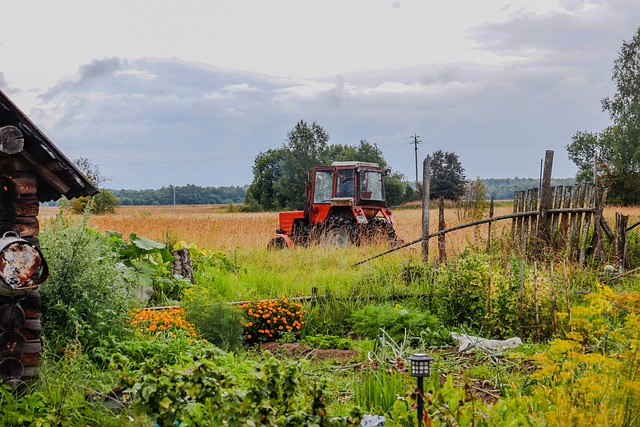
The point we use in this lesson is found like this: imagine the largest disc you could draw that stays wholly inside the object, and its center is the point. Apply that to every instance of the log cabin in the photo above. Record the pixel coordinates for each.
(32, 171)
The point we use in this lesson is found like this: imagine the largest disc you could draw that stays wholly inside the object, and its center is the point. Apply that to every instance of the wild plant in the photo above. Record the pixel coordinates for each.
(85, 295)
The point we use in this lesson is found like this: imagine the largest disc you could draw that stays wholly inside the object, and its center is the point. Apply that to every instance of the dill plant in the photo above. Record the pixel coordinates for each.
(85, 295)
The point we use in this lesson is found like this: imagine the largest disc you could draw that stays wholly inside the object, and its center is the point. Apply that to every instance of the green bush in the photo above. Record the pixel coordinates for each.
(215, 320)
(394, 319)
(85, 295)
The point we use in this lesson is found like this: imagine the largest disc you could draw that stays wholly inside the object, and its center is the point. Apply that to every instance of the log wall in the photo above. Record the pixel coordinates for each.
(20, 311)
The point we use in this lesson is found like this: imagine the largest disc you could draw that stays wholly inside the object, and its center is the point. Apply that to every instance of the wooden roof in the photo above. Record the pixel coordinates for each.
(57, 176)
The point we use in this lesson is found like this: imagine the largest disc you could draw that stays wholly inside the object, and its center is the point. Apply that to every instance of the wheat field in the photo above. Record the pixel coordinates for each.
(215, 228)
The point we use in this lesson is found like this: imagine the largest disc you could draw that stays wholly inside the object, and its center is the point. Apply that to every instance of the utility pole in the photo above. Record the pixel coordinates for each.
(415, 145)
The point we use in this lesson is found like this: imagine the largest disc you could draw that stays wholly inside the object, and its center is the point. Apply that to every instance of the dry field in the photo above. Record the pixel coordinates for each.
(213, 227)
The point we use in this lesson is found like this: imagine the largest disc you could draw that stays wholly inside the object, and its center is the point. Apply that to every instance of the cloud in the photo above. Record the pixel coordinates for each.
(157, 121)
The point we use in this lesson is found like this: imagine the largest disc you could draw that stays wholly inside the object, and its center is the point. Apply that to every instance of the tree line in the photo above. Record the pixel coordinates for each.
(182, 195)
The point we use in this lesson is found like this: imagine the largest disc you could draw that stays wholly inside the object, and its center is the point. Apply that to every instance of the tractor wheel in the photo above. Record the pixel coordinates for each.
(276, 243)
(381, 230)
(337, 231)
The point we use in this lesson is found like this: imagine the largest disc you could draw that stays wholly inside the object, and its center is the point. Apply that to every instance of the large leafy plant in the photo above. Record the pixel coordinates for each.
(147, 265)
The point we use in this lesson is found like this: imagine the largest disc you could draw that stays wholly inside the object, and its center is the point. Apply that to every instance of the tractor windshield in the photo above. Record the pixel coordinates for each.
(371, 185)
(323, 186)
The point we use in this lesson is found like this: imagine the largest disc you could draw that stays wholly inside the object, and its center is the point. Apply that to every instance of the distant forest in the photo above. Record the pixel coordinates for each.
(498, 188)
(503, 188)
(182, 195)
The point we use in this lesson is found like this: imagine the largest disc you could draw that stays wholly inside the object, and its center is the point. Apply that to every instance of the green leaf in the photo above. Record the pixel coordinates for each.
(165, 403)
(144, 243)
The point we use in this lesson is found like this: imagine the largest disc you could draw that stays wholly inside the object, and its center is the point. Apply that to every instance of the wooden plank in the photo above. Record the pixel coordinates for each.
(555, 217)
(26, 183)
(525, 221)
(573, 218)
(533, 220)
(28, 226)
(28, 205)
(575, 244)
(587, 224)
(42, 170)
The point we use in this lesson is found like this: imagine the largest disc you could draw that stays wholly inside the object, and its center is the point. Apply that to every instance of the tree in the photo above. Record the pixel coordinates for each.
(279, 175)
(103, 202)
(447, 176)
(617, 146)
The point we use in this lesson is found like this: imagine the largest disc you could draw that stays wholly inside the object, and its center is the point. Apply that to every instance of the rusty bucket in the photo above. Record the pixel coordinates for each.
(22, 265)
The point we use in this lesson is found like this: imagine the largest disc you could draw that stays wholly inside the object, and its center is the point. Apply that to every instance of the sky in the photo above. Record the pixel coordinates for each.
(159, 93)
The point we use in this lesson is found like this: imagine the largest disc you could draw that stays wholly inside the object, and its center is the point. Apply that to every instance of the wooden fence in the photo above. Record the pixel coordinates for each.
(560, 218)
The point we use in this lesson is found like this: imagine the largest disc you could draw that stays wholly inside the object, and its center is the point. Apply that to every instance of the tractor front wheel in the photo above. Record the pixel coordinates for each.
(338, 231)
(276, 243)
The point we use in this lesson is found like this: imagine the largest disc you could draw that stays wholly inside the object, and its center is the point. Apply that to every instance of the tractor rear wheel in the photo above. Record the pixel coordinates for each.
(337, 231)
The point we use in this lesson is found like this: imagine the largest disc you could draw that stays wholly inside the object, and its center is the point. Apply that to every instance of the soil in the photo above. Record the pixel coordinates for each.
(307, 352)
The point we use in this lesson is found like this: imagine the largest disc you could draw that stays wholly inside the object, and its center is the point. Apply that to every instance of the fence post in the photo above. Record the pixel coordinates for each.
(545, 198)
(442, 245)
(489, 228)
(426, 189)
(621, 240)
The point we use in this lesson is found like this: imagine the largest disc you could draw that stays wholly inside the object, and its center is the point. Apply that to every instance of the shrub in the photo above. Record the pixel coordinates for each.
(394, 319)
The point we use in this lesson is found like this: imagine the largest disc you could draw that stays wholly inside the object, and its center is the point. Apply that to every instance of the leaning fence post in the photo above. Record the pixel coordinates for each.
(522, 298)
(426, 189)
(545, 198)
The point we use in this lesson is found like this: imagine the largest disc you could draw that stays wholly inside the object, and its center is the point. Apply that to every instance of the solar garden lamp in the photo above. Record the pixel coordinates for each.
(420, 368)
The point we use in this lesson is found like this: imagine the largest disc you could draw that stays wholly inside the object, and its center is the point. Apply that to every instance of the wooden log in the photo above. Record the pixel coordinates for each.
(32, 353)
(31, 329)
(42, 170)
(12, 344)
(11, 317)
(32, 304)
(11, 369)
(28, 226)
(29, 372)
(28, 205)
(11, 140)
(26, 182)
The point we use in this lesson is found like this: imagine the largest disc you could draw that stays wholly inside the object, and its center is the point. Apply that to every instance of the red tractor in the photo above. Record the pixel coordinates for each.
(345, 204)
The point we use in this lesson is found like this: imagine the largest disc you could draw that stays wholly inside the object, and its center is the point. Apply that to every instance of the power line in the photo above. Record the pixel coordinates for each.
(415, 144)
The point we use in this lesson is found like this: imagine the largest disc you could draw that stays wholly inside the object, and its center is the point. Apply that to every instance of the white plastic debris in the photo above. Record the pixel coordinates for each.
(469, 342)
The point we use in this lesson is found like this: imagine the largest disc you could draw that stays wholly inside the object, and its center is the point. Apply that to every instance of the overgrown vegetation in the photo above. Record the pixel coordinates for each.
(579, 364)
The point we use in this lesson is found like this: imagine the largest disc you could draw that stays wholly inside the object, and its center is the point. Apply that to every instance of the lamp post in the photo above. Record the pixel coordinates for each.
(420, 368)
